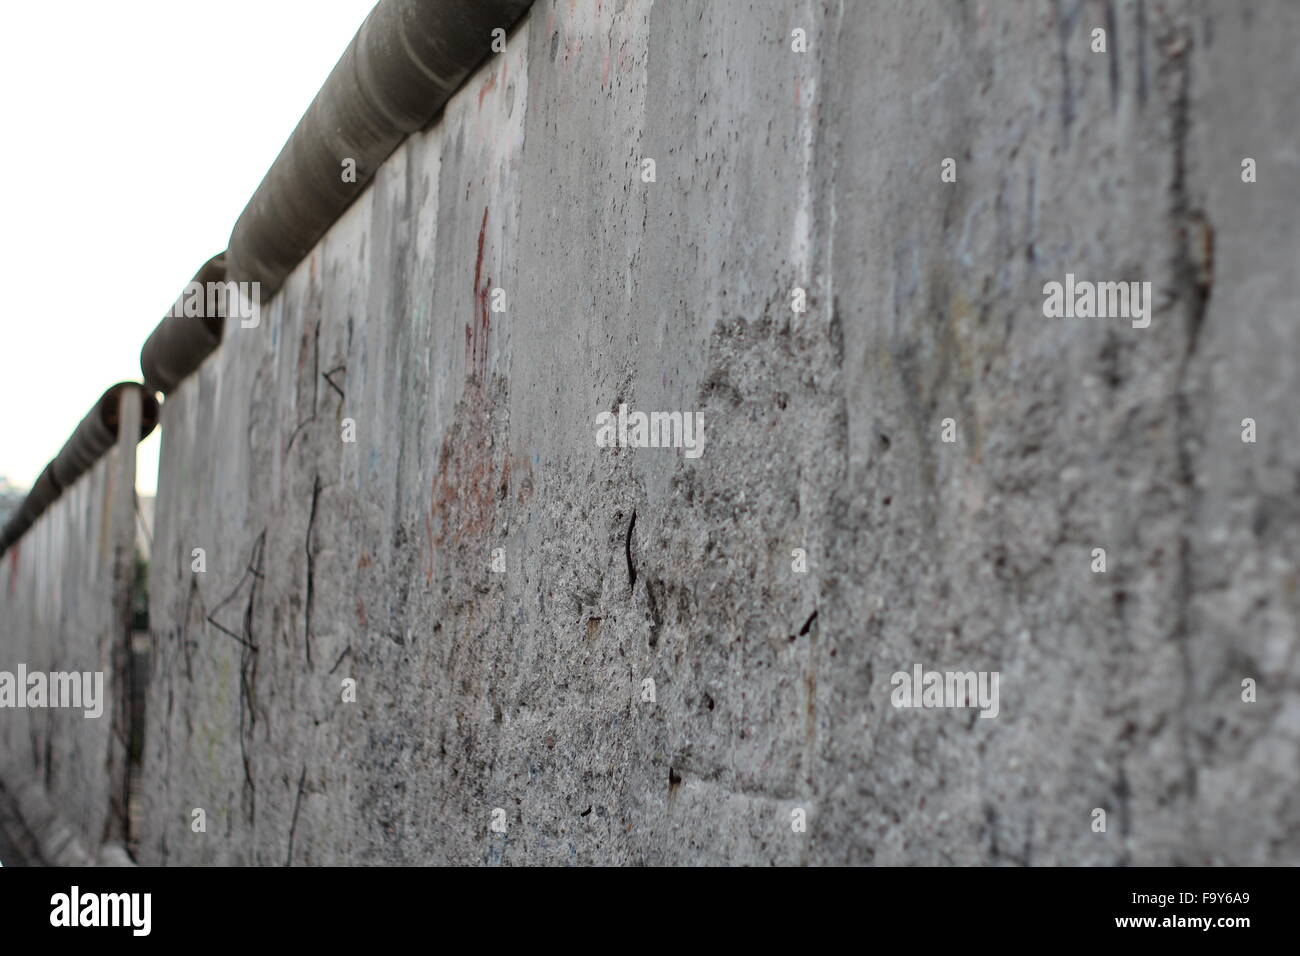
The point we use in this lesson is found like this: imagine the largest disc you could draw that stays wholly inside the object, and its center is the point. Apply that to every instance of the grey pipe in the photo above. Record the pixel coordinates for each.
(92, 438)
(400, 69)
(43, 493)
(15, 528)
(180, 342)
(97, 433)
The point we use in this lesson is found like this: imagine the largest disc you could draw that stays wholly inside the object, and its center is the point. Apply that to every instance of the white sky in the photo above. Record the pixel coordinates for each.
(131, 136)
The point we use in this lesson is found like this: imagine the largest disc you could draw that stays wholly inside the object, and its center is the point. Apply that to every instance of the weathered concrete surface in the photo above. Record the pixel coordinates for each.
(521, 690)
(65, 589)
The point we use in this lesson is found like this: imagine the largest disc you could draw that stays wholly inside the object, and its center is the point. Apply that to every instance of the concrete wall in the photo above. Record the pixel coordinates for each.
(65, 592)
(522, 690)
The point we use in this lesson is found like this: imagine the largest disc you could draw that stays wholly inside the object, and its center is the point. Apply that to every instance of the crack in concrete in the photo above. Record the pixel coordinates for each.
(627, 548)
(1193, 290)
(297, 805)
(311, 569)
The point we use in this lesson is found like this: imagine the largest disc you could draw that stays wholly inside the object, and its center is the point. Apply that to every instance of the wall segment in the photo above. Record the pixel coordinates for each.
(522, 689)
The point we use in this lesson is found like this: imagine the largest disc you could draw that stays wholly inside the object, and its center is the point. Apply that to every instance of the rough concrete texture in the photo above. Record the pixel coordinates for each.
(65, 591)
(522, 690)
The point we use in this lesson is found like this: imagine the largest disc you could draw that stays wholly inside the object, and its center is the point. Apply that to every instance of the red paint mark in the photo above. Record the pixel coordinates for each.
(361, 615)
(488, 86)
(471, 487)
(482, 236)
(464, 486)
(476, 333)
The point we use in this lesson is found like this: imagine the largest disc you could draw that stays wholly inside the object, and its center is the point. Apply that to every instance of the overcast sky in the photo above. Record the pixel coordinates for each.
(131, 136)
